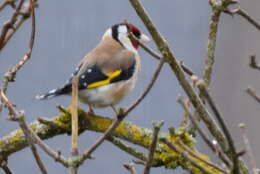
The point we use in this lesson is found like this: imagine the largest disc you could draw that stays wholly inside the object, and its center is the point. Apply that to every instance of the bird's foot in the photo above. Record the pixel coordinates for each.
(91, 111)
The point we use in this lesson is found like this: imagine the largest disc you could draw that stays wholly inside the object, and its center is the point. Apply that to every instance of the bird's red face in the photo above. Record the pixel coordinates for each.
(120, 34)
(140, 36)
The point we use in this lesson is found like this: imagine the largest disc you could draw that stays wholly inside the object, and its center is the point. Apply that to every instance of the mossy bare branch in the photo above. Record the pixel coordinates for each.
(15, 141)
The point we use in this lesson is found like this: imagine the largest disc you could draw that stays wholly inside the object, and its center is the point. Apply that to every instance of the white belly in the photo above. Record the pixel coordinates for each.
(106, 95)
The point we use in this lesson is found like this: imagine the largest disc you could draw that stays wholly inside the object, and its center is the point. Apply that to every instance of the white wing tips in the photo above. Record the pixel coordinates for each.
(39, 97)
(48, 95)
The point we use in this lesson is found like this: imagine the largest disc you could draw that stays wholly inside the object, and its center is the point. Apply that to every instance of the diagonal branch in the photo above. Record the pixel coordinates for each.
(169, 57)
(232, 149)
(253, 94)
(189, 151)
(127, 148)
(184, 155)
(241, 12)
(219, 152)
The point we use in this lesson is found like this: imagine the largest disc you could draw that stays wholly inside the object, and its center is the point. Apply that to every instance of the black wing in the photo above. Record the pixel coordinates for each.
(92, 77)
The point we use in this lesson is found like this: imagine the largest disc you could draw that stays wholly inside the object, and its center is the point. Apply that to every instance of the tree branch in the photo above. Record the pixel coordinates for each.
(241, 12)
(169, 57)
(249, 151)
(185, 156)
(232, 149)
(27, 132)
(218, 152)
(253, 63)
(253, 94)
(211, 47)
(73, 169)
(15, 141)
(4, 3)
(126, 148)
(9, 24)
(157, 126)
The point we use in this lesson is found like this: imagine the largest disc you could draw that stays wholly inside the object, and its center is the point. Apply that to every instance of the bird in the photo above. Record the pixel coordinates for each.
(109, 71)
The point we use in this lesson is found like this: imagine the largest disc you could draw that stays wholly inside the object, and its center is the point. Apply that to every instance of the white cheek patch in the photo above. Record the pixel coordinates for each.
(124, 39)
(122, 29)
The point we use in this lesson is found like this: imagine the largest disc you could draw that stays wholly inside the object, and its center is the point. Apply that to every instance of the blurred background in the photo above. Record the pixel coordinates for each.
(66, 31)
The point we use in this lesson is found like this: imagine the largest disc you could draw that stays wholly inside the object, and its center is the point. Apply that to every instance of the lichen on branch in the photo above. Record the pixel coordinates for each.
(61, 124)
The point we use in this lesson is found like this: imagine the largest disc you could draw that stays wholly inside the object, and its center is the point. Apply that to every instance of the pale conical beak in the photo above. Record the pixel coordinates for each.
(144, 38)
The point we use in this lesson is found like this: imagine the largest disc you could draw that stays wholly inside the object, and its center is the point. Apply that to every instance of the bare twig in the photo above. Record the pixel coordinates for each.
(11, 73)
(232, 149)
(139, 162)
(244, 14)
(8, 25)
(157, 56)
(211, 47)
(146, 48)
(253, 94)
(17, 116)
(249, 151)
(127, 148)
(4, 3)
(86, 154)
(147, 89)
(130, 168)
(4, 166)
(16, 26)
(241, 12)
(48, 122)
(186, 69)
(253, 63)
(74, 123)
(121, 115)
(187, 149)
(38, 159)
(27, 133)
(7, 170)
(157, 126)
(219, 152)
(184, 155)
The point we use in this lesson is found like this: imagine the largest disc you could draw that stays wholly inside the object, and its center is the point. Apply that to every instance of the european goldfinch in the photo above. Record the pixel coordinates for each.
(108, 72)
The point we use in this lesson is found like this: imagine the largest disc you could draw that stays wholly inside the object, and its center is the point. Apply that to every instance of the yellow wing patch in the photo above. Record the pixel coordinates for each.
(110, 77)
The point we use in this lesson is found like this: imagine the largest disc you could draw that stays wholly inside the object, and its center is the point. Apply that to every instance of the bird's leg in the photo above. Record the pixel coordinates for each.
(91, 111)
(114, 109)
